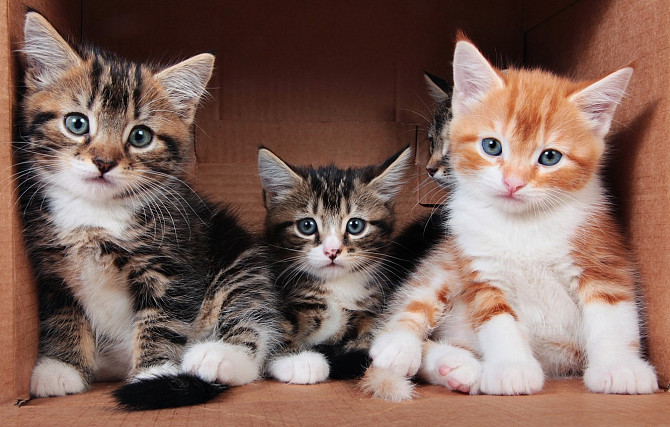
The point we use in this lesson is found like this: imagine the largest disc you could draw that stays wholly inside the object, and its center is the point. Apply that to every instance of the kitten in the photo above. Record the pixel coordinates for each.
(438, 132)
(138, 277)
(536, 279)
(335, 261)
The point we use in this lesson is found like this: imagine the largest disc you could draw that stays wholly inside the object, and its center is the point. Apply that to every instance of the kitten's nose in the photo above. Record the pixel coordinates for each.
(431, 171)
(513, 184)
(104, 166)
(333, 253)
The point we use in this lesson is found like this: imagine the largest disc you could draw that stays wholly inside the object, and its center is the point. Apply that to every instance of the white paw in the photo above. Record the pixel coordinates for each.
(307, 367)
(453, 367)
(221, 362)
(52, 377)
(633, 377)
(399, 352)
(167, 368)
(511, 378)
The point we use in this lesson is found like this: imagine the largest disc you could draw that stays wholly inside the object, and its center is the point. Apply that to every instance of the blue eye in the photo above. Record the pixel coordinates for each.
(492, 146)
(140, 136)
(76, 123)
(550, 157)
(306, 226)
(355, 226)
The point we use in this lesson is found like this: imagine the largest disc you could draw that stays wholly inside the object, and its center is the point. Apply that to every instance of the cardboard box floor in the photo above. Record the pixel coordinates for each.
(342, 81)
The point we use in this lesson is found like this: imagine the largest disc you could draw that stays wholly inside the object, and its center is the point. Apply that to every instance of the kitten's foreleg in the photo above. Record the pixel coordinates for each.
(509, 367)
(67, 348)
(612, 342)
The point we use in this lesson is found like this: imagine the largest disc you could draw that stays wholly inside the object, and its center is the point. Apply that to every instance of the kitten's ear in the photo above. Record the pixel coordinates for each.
(439, 89)
(185, 82)
(599, 100)
(47, 54)
(474, 77)
(277, 178)
(391, 177)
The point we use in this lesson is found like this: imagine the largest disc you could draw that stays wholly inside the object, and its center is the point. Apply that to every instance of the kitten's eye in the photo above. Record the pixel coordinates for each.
(140, 136)
(306, 226)
(550, 157)
(355, 226)
(77, 123)
(492, 146)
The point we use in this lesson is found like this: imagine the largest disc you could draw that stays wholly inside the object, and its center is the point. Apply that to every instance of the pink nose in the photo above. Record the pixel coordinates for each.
(332, 253)
(513, 184)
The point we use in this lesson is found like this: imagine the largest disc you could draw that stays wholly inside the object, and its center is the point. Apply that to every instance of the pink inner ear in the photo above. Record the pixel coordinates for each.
(474, 77)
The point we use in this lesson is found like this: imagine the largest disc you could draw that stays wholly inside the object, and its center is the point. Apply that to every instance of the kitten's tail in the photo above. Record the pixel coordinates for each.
(344, 364)
(166, 391)
(386, 384)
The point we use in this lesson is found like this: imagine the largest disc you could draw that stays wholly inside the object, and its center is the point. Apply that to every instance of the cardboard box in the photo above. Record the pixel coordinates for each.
(342, 82)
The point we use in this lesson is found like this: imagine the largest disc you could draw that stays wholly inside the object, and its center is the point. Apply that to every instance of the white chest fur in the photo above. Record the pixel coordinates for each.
(530, 259)
(71, 212)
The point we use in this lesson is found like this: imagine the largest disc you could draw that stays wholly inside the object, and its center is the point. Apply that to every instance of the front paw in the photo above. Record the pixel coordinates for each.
(307, 367)
(512, 377)
(221, 362)
(453, 367)
(52, 377)
(399, 352)
(632, 377)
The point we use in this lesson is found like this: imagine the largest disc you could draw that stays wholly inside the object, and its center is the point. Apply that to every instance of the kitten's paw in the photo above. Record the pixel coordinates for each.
(633, 377)
(307, 367)
(221, 362)
(166, 369)
(399, 352)
(52, 377)
(512, 378)
(453, 367)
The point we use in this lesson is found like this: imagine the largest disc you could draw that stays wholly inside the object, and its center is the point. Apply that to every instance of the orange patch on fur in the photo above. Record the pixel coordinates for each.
(608, 274)
(425, 309)
(484, 302)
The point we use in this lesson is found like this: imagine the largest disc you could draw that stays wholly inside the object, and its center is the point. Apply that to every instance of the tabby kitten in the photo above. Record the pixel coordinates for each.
(330, 231)
(536, 279)
(438, 132)
(138, 277)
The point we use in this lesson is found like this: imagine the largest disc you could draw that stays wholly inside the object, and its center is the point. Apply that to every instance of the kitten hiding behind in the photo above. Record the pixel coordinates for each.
(138, 277)
(335, 261)
(535, 278)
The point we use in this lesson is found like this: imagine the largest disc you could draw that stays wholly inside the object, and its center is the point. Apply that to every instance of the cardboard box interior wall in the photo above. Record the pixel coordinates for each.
(342, 81)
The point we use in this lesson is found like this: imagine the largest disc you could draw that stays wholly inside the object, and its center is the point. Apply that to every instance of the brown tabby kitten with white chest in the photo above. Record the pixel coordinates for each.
(335, 261)
(138, 277)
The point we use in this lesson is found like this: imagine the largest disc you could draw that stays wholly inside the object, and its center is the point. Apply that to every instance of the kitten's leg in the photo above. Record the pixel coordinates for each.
(418, 308)
(67, 348)
(611, 333)
(453, 367)
(246, 330)
(613, 350)
(508, 367)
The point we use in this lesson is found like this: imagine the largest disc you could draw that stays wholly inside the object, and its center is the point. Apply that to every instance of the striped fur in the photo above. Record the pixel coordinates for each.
(536, 279)
(139, 278)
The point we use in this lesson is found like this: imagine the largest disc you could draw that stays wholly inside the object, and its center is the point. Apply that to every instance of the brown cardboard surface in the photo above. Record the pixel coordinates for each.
(563, 403)
(638, 170)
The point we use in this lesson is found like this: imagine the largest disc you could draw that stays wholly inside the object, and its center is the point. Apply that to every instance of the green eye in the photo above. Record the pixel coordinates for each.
(306, 226)
(492, 146)
(140, 136)
(355, 226)
(550, 157)
(76, 123)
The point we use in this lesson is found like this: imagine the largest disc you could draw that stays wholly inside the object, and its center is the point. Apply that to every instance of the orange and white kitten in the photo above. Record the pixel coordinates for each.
(535, 279)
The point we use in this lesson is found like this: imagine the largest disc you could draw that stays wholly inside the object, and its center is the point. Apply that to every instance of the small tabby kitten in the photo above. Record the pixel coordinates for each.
(330, 230)
(535, 279)
(138, 277)
(438, 132)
